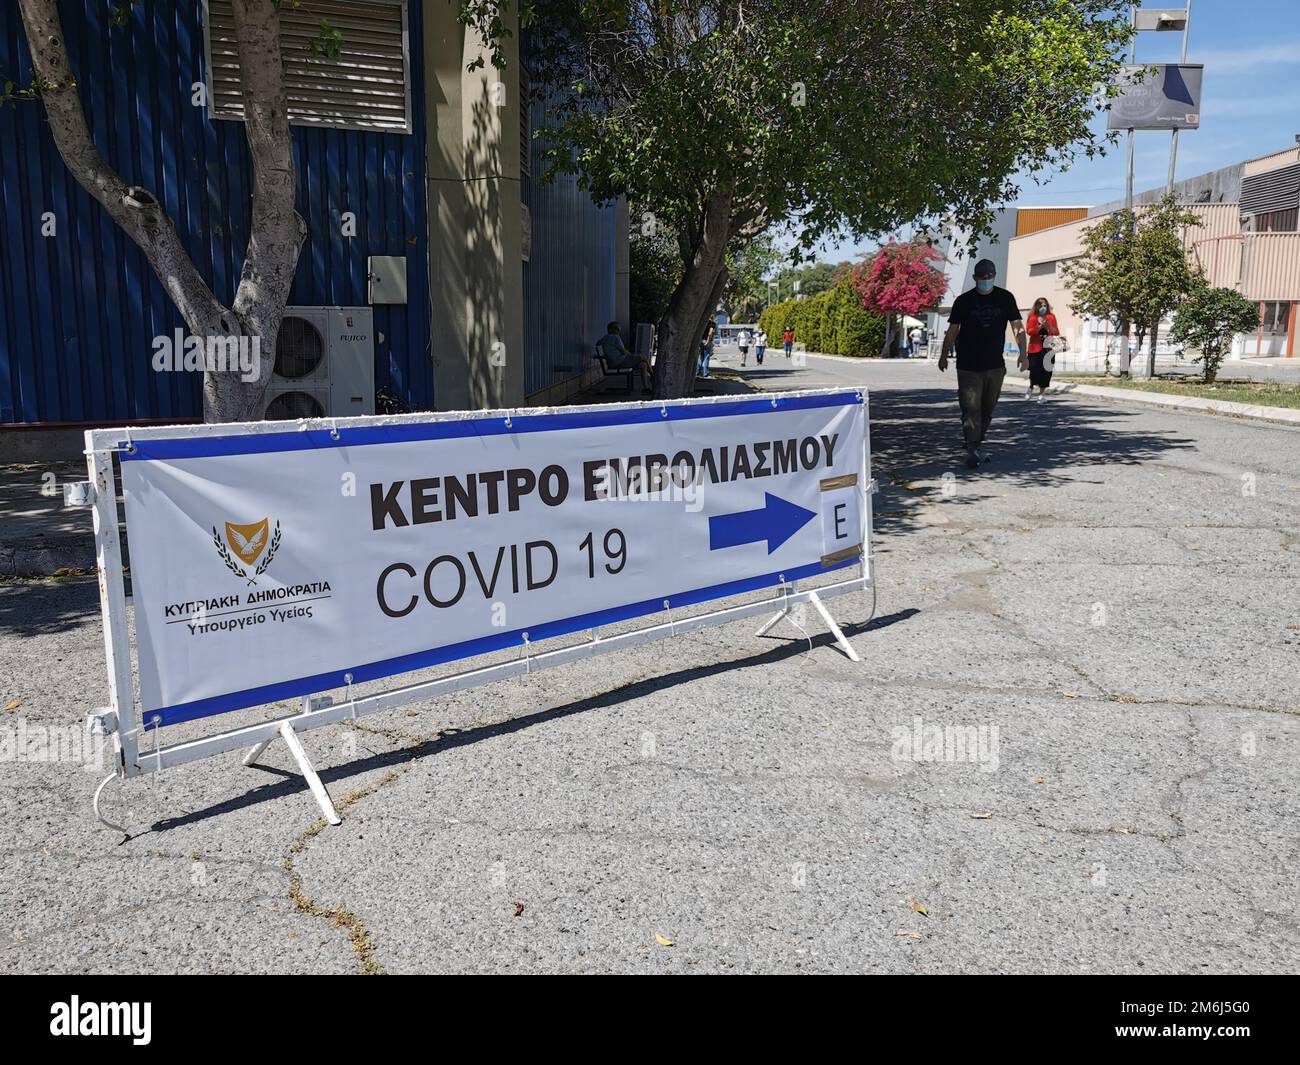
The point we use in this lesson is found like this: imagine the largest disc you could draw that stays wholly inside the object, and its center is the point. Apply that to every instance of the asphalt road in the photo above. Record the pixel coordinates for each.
(1111, 604)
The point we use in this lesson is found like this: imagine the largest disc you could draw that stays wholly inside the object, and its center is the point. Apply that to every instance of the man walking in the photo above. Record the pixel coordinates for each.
(977, 328)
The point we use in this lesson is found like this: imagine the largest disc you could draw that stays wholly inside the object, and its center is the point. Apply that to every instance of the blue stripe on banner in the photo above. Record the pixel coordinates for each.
(360, 436)
(289, 689)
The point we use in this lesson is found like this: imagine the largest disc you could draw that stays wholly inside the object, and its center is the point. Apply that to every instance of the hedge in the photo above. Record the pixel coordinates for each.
(832, 322)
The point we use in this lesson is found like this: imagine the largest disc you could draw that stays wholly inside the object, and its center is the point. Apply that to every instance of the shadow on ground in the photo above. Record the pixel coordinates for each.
(36, 607)
(916, 437)
(290, 782)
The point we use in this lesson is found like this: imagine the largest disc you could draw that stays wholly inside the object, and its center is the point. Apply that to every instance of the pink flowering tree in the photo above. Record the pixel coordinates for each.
(900, 279)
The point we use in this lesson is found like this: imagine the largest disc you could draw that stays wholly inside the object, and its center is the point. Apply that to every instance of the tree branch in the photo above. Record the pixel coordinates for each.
(136, 210)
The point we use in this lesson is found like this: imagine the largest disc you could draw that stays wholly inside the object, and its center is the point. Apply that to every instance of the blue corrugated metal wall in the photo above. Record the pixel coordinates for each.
(79, 311)
(569, 279)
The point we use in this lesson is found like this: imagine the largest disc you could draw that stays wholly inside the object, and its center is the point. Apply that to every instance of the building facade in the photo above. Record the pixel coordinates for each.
(1249, 243)
(960, 259)
(474, 283)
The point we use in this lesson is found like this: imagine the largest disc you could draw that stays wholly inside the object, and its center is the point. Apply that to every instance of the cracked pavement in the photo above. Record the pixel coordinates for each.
(1115, 594)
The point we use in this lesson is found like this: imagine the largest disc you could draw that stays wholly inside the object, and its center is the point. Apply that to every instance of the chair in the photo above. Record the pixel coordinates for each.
(606, 371)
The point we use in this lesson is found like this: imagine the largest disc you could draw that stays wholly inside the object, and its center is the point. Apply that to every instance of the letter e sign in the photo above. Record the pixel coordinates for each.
(841, 517)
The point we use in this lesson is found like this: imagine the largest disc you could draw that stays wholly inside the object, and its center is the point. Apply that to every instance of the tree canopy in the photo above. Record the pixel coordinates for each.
(1135, 268)
(723, 118)
(900, 279)
(1208, 320)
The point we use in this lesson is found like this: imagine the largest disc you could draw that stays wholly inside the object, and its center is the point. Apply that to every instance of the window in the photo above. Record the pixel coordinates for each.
(1277, 221)
(1276, 317)
(1042, 269)
(366, 86)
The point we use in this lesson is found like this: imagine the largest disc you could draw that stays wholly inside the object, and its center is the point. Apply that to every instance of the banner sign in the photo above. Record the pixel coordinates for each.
(269, 562)
(1168, 99)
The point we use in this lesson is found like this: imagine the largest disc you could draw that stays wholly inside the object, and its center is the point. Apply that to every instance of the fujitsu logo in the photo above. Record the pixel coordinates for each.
(75, 1017)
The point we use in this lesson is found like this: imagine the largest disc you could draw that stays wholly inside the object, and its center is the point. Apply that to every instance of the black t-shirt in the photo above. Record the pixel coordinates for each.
(983, 321)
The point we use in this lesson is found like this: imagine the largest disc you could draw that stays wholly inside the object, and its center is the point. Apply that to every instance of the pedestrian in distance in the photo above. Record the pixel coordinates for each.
(787, 341)
(743, 341)
(913, 342)
(706, 350)
(977, 329)
(760, 346)
(1042, 327)
(617, 357)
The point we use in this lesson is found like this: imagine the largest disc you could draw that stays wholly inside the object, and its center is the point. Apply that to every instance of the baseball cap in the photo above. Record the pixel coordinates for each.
(985, 268)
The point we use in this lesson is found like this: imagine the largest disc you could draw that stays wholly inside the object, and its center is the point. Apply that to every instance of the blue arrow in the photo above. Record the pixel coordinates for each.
(775, 521)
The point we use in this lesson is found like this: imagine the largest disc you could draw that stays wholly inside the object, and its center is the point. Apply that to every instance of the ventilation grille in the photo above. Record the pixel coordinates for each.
(294, 405)
(299, 348)
(365, 87)
(525, 124)
(1278, 190)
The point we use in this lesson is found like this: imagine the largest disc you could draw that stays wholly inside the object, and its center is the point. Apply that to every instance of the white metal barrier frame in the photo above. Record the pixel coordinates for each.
(122, 721)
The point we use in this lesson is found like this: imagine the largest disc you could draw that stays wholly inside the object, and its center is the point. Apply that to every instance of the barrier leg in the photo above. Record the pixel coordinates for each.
(313, 781)
(255, 753)
(840, 638)
(767, 626)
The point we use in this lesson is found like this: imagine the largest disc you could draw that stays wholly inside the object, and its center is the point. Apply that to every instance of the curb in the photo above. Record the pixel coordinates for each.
(1254, 411)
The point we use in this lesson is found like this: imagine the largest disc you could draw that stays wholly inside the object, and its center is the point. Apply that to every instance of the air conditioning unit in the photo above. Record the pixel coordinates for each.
(324, 364)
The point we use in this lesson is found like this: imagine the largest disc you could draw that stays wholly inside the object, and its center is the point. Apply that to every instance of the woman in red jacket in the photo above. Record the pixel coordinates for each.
(1041, 326)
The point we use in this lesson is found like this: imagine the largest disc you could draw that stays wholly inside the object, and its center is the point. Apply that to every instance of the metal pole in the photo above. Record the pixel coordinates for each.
(1173, 140)
(1128, 186)
(1126, 327)
(1132, 61)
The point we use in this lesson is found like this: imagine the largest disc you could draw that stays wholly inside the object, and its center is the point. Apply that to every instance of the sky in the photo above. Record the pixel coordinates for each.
(1250, 106)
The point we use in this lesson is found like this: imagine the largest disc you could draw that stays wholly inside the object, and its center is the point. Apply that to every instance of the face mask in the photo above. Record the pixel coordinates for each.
(1041, 309)
(984, 286)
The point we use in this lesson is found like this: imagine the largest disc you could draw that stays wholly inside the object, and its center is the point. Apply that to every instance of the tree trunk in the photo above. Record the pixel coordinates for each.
(709, 315)
(694, 298)
(1151, 357)
(277, 231)
(889, 336)
(1209, 364)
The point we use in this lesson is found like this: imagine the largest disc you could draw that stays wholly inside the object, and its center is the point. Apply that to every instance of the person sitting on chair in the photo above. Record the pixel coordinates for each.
(617, 357)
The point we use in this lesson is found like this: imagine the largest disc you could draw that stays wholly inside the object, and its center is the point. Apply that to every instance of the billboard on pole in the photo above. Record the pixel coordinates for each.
(1158, 96)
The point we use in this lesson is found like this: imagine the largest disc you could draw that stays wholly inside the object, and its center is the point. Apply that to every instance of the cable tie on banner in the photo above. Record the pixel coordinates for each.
(334, 429)
(130, 446)
(672, 625)
(352, 699)
(508, 422)
(774, 402)
(663, 409)
(528, 661)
